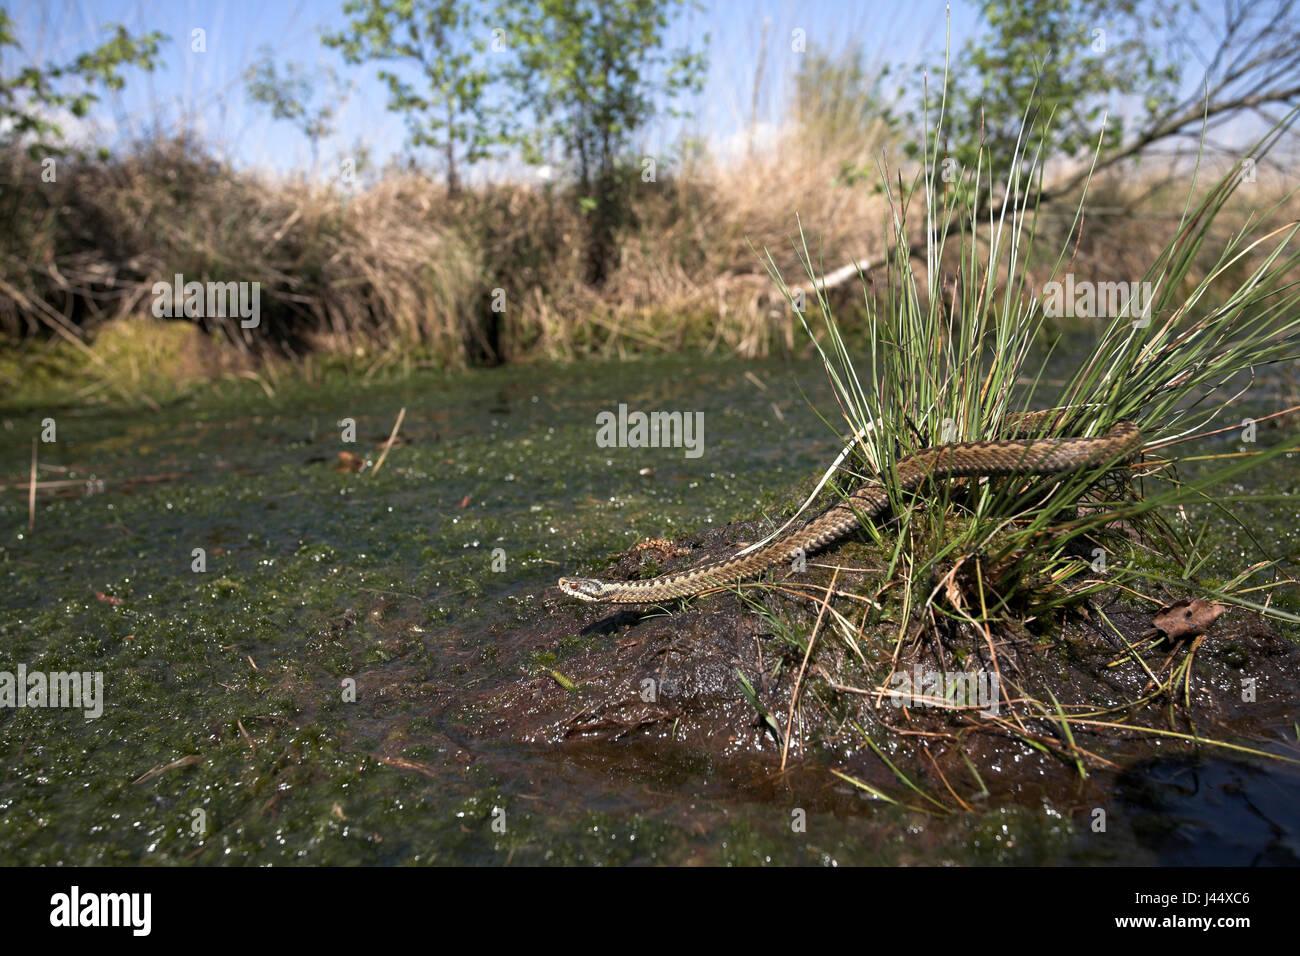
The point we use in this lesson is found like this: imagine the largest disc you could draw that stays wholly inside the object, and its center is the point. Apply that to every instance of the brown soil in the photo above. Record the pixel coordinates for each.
(665, 686)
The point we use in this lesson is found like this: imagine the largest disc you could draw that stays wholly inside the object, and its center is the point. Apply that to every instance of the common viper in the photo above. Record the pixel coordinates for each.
(1034, 456)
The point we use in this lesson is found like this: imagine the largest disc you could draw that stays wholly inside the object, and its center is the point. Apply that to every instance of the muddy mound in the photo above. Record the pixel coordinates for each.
(957, 712)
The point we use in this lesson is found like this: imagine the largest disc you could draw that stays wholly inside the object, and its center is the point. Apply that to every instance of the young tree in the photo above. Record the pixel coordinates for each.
(31, 100)
(593, 72)
(1077, 61)
(445, 41)
(1068, 60)
(292, 96)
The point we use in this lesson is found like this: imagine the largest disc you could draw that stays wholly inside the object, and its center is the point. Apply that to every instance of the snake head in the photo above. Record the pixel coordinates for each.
(584, 589)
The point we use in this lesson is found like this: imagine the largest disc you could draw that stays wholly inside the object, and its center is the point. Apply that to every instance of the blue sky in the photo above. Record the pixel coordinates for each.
(205, 90)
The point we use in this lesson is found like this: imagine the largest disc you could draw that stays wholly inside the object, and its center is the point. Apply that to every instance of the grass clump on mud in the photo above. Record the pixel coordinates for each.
(1061, 621)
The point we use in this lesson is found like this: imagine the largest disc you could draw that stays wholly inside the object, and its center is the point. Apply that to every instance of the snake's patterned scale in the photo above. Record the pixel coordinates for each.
(1039, 456)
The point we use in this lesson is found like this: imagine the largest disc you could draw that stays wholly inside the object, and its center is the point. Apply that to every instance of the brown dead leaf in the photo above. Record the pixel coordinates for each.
(1186, 618)
(349, 463)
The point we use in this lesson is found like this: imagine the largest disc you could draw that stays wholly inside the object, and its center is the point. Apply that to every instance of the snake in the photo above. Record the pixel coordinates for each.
(1035, 456)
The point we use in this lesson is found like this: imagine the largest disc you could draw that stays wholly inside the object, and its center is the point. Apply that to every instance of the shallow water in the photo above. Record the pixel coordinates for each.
(227, 732)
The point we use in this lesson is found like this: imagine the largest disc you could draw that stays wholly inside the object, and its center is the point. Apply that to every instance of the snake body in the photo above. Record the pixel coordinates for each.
(1036, 456)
